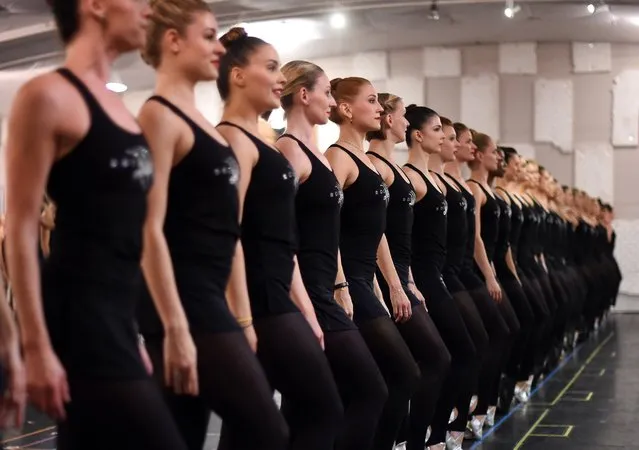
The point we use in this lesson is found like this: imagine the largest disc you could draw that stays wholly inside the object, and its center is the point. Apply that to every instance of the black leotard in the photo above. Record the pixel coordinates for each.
(456, 236)
(92, 280)
(201, 230)
(363, 221)
(399, 225)
(317, 206)
(268, 231)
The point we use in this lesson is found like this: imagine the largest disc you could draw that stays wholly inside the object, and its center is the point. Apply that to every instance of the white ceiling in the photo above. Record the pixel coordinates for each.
(28, 40)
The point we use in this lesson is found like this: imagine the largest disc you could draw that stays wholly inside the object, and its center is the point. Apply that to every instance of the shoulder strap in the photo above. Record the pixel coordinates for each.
(257, 141)
(419, 172)
(177, 111)
(76, 82)
(447, 183)
(301, 144)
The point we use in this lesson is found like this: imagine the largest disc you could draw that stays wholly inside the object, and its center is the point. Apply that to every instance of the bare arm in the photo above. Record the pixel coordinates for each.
(401, 304)
(162, 137)
(481, 257)
(31, 150)
(34, 129)
(180, 371)
(237, 288)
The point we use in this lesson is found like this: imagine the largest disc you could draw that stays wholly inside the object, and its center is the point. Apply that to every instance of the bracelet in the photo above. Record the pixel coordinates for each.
(245, 322)
(339, 286)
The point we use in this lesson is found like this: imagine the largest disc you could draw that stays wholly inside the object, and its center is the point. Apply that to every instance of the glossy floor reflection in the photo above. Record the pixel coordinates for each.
(590, 402)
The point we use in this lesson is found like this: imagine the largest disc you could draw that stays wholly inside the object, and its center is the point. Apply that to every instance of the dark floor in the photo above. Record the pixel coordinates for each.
(590, 402)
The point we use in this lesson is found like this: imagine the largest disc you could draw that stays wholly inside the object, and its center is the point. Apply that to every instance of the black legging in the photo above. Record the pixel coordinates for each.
(296, 366)
(234, 386)
(499, 342)
(452, 329)
(133, 412)
(521, 362)
(400, 371)
(481, 340)
(433, 358)
(361, 386)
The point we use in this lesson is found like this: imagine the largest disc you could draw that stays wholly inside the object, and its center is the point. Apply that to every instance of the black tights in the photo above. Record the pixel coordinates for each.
(455, 335)
(475, 326)
(433, 358)
(521, 362)
(133, 414)
(361, 386)
(234, 386)
(400, 372)
(296, 366)
(499, 341)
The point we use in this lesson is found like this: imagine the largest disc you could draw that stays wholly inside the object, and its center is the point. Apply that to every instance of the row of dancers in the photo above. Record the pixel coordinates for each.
(196, 268)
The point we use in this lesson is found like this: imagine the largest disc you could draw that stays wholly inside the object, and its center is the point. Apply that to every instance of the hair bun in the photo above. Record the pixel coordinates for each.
(235, 34)
(335, 82)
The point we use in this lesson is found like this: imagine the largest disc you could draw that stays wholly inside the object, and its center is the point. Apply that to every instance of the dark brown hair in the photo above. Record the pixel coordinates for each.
(239, 48)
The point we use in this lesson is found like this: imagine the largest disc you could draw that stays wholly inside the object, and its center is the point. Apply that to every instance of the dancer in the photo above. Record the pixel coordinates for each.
(307, 102)
(290, 338)
(424, 137)
(487, 215)
(494, 324)
(82, 360)
(363, 243)
(419, 332)
(519, 365)
(456, 238)
(191, 234)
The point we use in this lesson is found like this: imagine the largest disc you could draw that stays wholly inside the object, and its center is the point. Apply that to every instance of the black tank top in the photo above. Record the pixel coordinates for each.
(516, 223)
(100, 191)
(201, 229)
(268, 230)
(527, 238)
(429, 227)
(468, 264)
(363, 221)
(489, 222)
(317, 206)
(503, 236)
(399, 220)
(457, 228)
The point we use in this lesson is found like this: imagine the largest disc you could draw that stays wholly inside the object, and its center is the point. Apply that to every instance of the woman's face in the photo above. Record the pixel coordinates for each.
(489, 157)
(199, 51)
(366, 112)
(125, 22)
(320, 101)
(467, 149)
(263, 81)
(450, 146)
(397, 123)
(432, 135)
(512, 168)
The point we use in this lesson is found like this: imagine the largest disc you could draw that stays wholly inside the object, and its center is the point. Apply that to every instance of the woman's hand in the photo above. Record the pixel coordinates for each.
(47, 384)
(180, 363)
(343, 298)
(315, 326)
(13, 399)
(494, 289)
(401, 305)
(417, 293)
(251, 337)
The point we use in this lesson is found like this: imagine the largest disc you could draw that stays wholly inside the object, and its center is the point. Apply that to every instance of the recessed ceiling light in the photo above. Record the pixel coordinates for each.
(591, 8)
(338, 20)
(117, 87)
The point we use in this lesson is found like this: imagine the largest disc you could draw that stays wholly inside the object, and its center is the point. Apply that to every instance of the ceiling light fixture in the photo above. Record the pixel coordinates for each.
(338, 20)
(433, 14)
(591, 8)
(117, 87)
(511, 9)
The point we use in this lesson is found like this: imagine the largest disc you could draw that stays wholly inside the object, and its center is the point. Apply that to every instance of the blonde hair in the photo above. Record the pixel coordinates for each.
(344, 90)
(389, 102)
(168, 15)
(299, 74)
